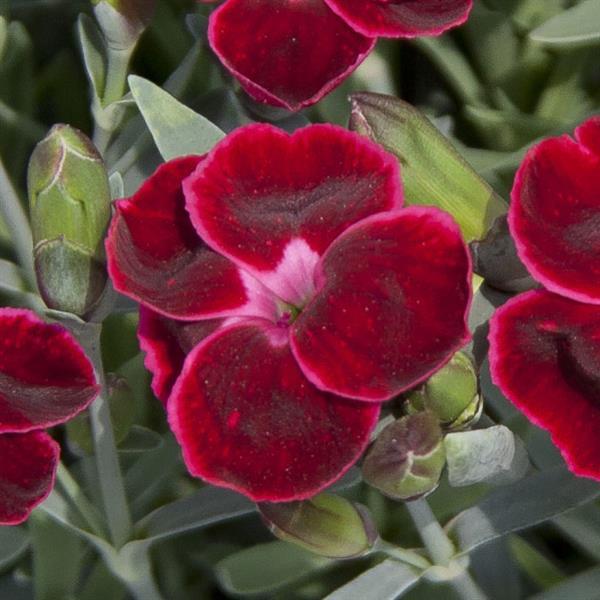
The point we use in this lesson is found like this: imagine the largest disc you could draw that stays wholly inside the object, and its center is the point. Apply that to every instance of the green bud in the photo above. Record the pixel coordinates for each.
(69, 201)
(123, 21)
(407, 458)
(327, 525)
(451, 394)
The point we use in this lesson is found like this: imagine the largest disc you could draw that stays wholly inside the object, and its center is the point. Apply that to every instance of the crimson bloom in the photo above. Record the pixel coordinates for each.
(45, 379)
(291, 54)
(545, 344)
(285, 295)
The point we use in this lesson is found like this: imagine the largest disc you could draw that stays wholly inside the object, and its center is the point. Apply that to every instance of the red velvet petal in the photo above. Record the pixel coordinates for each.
(166, 343)
(45, 378)
(248, 419)
(555, 213)
(155, 256)
(402, 18)
(262, 189)
(545, 357)
(286, 53)
(394, 292)
(28, 464)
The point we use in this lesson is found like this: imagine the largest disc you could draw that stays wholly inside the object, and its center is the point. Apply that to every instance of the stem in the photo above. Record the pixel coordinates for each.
(86, 509)
(441, 549)
(107, 461)
(17, 223)
(436, 541)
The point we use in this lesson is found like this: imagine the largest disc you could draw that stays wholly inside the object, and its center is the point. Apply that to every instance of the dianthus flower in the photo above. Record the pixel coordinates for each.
(291, 54)
(45, 379)
(285, 294)
(545, 344)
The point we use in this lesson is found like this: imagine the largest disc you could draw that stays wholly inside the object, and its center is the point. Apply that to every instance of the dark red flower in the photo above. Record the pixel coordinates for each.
(291, 54)
(545, 345)
(305, 290)
(45, 379)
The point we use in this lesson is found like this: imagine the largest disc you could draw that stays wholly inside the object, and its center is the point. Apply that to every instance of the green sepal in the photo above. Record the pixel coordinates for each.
(69, 279)
(433, 172)
(407, 458)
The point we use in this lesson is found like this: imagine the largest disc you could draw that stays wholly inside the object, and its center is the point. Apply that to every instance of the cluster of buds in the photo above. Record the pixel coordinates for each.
(408, 457)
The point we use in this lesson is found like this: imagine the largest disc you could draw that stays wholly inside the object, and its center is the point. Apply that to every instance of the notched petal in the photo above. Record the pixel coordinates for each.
(27, 471)
(554, 215)
(248, 419)
(287, 54)
(45, 377)
(391, 309)
(545, 357)
(156, 257)
(267, 200)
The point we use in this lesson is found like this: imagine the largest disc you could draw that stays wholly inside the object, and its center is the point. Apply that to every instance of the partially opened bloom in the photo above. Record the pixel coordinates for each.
(289, 299)
(45, 379)
(545, 344)
(291, 54)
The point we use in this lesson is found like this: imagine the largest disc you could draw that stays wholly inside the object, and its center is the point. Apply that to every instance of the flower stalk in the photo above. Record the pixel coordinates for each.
(441, 549)
(112, 487)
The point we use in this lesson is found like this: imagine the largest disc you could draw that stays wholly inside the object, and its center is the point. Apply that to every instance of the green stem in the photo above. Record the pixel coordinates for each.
(441, 549)
(86, 509)
(112, 487)
(17, 223)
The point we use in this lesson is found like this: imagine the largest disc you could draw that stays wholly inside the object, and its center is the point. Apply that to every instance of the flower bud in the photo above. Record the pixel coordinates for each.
(327, 525)
(451, 394)
(407, 459)
(123, 21)
(69, 200)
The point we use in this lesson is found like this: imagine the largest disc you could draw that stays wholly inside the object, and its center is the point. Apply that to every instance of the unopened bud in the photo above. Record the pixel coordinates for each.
(451, 394)
(69, 200)
(407, 459)
(327, 525)
(123, 21)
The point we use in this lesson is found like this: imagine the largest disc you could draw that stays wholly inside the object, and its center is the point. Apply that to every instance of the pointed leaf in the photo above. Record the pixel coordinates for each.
(176, 129)
(578, 26)
(532, 500)
(93, 50)
(386, 581)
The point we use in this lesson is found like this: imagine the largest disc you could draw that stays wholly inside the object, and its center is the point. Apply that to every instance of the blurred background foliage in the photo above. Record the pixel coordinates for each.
(489, 86)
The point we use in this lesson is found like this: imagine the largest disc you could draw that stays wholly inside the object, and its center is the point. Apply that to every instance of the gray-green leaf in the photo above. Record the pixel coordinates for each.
(578, 26)
(176, 129)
